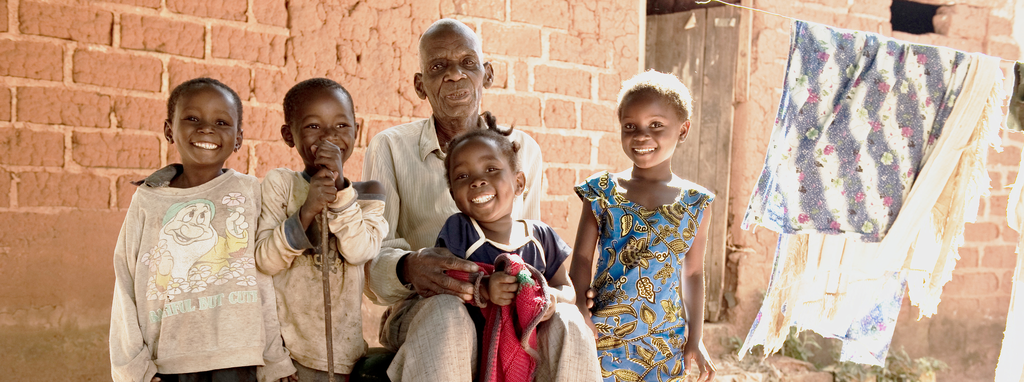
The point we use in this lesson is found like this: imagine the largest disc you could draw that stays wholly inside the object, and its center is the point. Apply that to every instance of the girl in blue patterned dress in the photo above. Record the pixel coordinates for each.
(649, 227)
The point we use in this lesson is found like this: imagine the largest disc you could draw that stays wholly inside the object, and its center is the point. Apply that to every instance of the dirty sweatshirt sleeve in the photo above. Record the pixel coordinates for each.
(131, 359)
(279, 237)
(357, 221)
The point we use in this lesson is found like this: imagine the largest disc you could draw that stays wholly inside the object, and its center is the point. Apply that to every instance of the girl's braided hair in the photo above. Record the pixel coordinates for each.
(492, 132)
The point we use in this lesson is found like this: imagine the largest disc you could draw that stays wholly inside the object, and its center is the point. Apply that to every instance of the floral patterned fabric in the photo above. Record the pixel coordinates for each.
(638, 310)
(860, 114)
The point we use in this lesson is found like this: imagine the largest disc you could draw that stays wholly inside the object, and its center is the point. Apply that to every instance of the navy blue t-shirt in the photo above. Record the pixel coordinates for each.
(542, 248)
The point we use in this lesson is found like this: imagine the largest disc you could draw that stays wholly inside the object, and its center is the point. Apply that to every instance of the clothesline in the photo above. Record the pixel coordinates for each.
(785, 17)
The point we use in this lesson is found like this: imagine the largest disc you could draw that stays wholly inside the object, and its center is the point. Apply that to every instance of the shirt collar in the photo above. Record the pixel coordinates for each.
(428, 140)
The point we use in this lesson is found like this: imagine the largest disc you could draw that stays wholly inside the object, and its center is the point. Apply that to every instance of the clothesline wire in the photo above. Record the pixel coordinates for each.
(784, 16)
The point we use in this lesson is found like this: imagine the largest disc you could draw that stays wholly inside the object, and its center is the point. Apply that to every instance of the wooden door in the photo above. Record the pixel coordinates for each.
(701, 48)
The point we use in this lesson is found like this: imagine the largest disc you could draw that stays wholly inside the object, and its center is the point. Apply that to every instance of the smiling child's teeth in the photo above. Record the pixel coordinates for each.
(643, 151)
(205, 145)
(483, 199)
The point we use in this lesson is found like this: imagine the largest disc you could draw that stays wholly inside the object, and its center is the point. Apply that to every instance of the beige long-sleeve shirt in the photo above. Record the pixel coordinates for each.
(408, 162)
(187, 295)
(286, 251)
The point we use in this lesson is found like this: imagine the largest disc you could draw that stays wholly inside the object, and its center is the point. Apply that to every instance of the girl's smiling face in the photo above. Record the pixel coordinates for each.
(650, 129)
(482, 181)
(204, 127)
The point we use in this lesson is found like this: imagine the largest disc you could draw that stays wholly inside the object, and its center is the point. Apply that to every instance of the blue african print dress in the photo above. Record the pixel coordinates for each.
(638, 310)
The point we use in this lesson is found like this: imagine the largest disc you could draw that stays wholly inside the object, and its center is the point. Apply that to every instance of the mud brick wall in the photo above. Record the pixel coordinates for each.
(967, 330)
(83, 87)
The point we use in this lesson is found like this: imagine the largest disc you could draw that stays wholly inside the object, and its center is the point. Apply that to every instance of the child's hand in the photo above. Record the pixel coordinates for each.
(501, 288)
(328, 156)
(322, 191)
(552, 302)
(155, 379)
(290, 378)
(696, 355)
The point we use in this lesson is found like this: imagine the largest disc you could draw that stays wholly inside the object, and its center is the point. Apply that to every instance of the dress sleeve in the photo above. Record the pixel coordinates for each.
(556, 250)
(131, 359)
(453, 235)
(596, 191)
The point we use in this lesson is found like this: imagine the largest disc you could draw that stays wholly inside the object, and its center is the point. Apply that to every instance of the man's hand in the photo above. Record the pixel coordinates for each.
(425, 268)
(501, 288)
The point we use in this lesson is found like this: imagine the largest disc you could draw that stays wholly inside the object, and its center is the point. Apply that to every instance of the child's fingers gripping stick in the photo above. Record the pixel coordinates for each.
(328, 155)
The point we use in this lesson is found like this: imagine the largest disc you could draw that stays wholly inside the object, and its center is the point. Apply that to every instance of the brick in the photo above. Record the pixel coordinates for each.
(608, 86)
(969, 305)
(609, 153)
(1008, 50)
(491, 9)
(240, 44)
(115, 150)
(559, 114)
(599, 117)
(980, 232)
(996, 205)
(586, 51)
(66, 22)
(584, 18)
(271, 155)
(239, 160)
(138, 3)
(64, 189)
(263, 123)
(5, 189)
(972, 284)
(31, 148)
(56, 106)
(117, 70)
(353, 166)
(500, 69)
(272, 85)
(3, 15)
(998, 26)
(1010, 156)
(996, 181)
(555, 213)
(5, 104)
(994, 306)
(125, 189)
(961, 21)
(234, 76)
(560, 180)
(968, 257)
(570, 82)
(157, 34)
(271, 12)
(511, 40)
(564, 149)
(514, 109)
(521, 76)
(550, 13)
(1009, 235)
(28, 59)
(999, 256)
(1006, 282)
(137, 113)
(221, 9)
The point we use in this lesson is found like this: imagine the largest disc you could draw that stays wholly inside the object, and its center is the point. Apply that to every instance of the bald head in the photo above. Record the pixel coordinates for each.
(447, 28)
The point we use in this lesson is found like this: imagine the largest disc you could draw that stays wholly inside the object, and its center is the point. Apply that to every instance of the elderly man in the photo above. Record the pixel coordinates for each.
(428, 324)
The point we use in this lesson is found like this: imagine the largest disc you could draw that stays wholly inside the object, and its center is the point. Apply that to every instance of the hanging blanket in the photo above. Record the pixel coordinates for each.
(510, 332)
(872, 188)
(860, 114)
(1011, 357)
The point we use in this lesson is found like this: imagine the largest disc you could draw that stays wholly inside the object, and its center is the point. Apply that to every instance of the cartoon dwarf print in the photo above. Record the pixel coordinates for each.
(201, 257)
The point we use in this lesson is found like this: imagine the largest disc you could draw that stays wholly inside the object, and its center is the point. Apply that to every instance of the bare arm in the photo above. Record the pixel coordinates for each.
(694, 351)
(582, 270)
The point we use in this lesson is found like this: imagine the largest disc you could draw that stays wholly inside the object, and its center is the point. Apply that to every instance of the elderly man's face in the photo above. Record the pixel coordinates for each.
(452, 75)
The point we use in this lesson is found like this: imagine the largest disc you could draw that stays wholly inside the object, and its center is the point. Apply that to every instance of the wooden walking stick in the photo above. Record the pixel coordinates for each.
(325, 267)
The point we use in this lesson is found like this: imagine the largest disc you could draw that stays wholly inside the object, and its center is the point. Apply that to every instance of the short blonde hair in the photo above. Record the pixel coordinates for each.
(662, 84)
